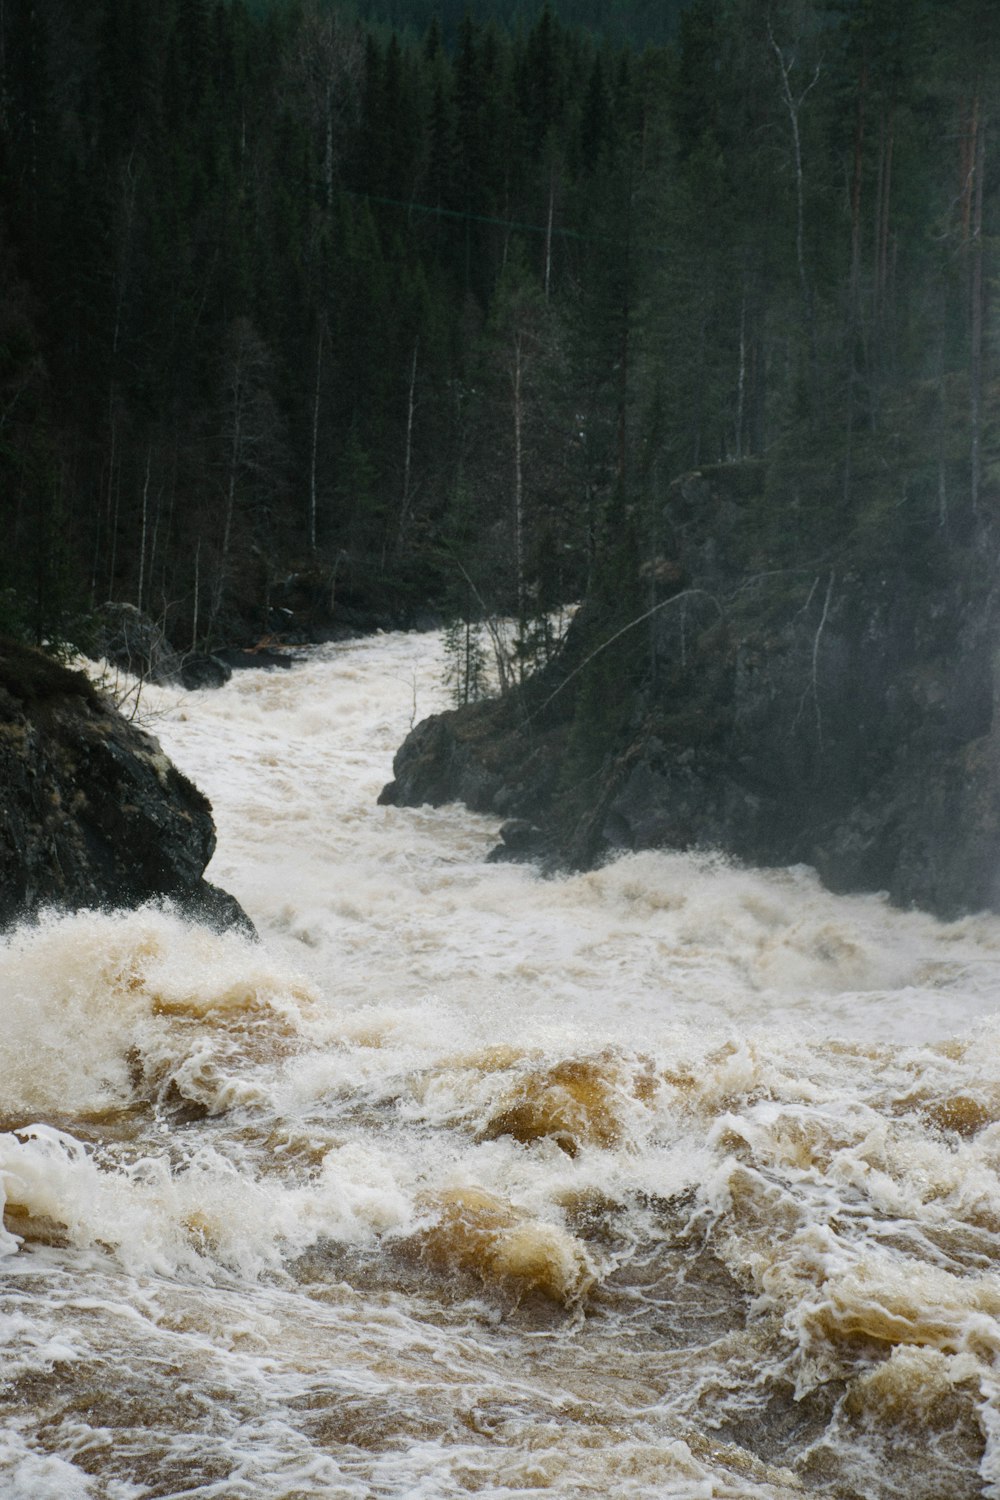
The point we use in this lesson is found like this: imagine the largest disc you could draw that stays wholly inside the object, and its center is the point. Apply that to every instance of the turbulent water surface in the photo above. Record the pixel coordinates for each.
(672, 1179)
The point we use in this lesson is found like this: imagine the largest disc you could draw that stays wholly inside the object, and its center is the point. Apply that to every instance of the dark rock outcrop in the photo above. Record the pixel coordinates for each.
(521, 842)
(131, 641)
(92, 813)
(838, 709)
(205, 672)
(268, 658)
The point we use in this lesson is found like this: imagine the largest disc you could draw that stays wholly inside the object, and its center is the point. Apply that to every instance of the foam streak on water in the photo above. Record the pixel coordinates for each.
(670, 1179)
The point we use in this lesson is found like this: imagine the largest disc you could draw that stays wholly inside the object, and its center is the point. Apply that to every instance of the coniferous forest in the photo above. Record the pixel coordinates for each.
(415, 311)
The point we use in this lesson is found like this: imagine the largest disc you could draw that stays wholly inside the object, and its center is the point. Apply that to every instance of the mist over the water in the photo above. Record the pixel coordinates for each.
(670, 1179)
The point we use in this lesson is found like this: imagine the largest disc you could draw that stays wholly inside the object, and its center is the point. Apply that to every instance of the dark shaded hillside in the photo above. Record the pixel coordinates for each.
(262, 274)
(306, 322)
(837, 710)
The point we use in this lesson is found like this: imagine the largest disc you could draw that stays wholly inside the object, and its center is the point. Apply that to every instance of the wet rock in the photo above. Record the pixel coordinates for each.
(521, 834)
(842, 714)
(92, 813)
(205, 672)
(267, 657)
(131, 641)
(521, 842)
(446, 759)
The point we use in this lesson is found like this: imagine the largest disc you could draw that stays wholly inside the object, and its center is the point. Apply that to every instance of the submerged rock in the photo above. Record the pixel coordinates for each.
(205, 672)
(92, 813)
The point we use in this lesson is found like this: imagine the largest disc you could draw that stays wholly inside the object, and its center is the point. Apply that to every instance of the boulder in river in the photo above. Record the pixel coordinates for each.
(205, 672)
(92, 813)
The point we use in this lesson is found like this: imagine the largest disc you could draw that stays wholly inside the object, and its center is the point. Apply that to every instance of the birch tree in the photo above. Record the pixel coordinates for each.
(525, 494)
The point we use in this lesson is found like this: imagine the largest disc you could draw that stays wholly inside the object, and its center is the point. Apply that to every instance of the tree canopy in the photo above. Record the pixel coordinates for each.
(428, 307)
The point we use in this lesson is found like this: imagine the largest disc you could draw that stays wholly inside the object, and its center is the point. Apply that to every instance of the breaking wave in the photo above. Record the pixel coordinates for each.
(672, 1178)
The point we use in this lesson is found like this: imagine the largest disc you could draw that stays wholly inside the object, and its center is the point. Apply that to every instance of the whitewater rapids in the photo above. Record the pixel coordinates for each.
(671, 1179)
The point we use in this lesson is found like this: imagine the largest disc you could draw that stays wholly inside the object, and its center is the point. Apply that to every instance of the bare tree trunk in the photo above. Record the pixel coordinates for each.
(876, 241)
(328, 147)
(741, 378)
(249, 446)
(548, 230)
(411, 407)
(96, 560)
(883, 199)
(794, 108)
(854, 291)
(112, 462)
(880, 257)
(624, 350)
(508, 229)
(856, 177)
(122, 271)
(152, 546)
(111, 505)
(698, 401)
(142, 531)
(883, 228)
(969, 132)
(197, 596)
(120, 278)
(315, 437)
(517, 392)
(976, 290)
(114, 538)
(227, 529)
(623, 397)
(941, 428)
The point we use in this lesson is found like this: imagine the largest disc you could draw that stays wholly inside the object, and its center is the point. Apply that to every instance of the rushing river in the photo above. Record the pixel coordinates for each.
(671, 1179)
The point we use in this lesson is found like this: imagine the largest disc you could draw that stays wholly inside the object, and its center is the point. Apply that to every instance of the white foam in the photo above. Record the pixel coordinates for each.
(229, 1158)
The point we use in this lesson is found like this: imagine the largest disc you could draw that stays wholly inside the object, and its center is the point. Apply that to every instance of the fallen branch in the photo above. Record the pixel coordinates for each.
(639, 620)
(813, 686)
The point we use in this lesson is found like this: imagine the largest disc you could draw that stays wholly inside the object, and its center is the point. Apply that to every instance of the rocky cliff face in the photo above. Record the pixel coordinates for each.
(91, 811)
(838, 710)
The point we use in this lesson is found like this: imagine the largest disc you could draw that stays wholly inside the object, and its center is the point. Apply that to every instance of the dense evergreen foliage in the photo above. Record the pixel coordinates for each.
(294, 305)
(634, 22)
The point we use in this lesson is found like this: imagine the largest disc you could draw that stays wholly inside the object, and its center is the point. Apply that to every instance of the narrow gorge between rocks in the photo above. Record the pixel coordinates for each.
(670, 1178)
